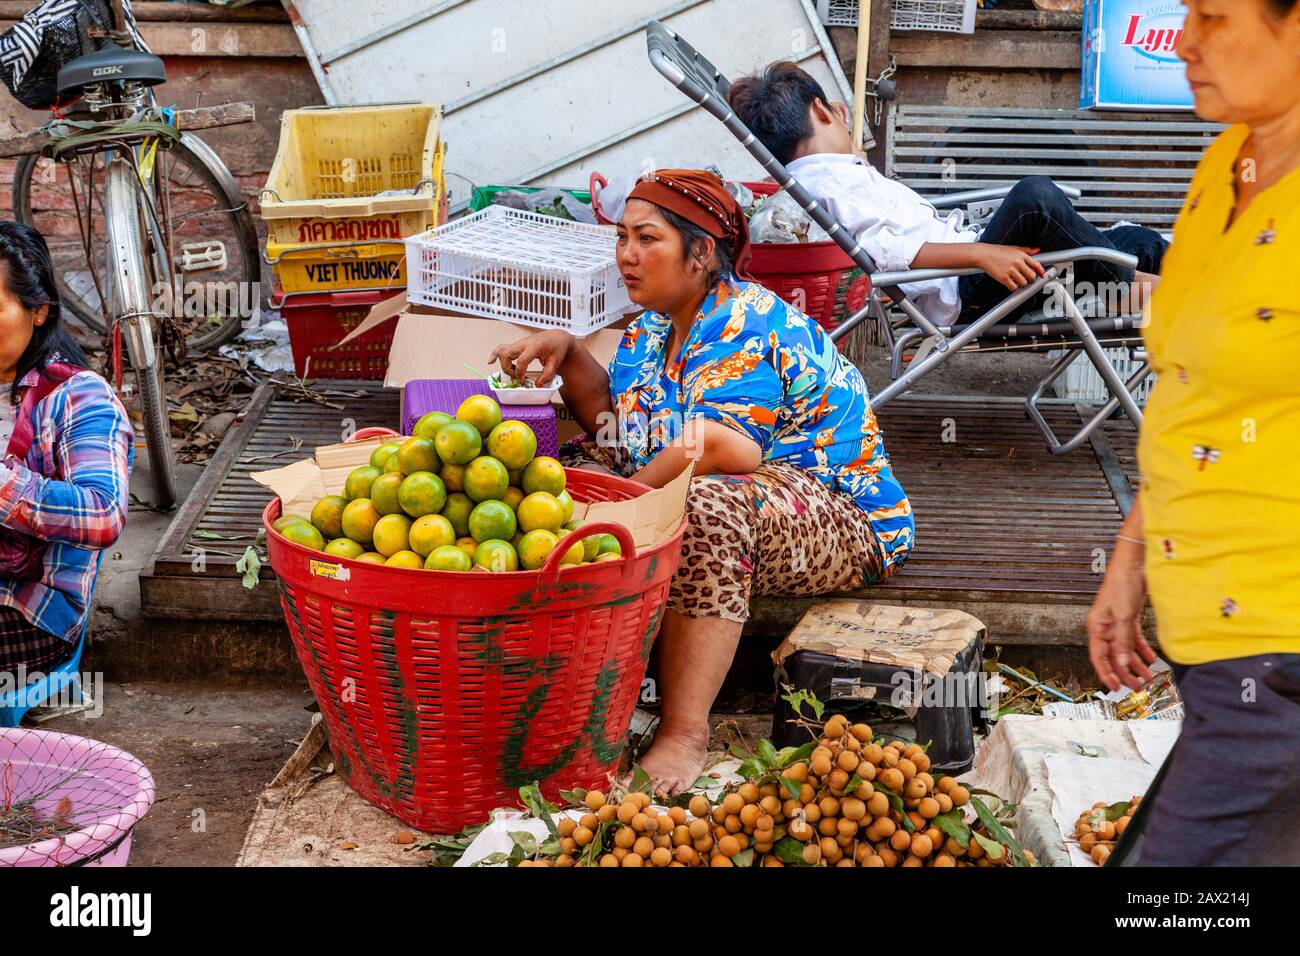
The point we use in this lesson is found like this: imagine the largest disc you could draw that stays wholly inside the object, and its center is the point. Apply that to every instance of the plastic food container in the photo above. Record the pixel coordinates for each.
(524, 396)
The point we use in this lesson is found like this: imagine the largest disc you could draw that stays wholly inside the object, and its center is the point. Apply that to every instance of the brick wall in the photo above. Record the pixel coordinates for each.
(207, 63)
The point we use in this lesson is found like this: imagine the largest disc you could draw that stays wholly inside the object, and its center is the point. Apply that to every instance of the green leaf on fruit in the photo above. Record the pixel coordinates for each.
(998, 831)
(797, 699)
(789, 850)
(1117, 810)
(954, 825)
(641, 782)
(577, 796)
(739, 752)
(592, 851)
(896, 802)
(541, 808)
(793, 755)
(993, 848)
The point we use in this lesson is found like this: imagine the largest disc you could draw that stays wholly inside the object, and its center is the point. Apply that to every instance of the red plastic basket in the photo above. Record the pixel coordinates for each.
(316, 321)
(816, 277)
(444, 692)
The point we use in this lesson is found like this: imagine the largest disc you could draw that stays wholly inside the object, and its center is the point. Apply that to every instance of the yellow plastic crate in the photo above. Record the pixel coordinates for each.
(369, 266)
(352, 253)
(332, 164)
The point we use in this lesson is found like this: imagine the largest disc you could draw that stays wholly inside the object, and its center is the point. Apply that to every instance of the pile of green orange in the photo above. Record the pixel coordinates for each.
(460, 493)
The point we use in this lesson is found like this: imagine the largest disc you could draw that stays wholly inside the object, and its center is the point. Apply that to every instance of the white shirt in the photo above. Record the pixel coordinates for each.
(891, 222)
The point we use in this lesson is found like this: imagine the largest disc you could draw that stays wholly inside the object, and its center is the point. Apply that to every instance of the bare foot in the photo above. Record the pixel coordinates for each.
(675, 760)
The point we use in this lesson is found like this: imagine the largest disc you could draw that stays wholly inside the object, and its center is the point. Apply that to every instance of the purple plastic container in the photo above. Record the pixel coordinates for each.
(87, 784)
(445, 395)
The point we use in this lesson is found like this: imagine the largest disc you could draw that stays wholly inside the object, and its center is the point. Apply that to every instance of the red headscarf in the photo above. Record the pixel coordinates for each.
(699, 197)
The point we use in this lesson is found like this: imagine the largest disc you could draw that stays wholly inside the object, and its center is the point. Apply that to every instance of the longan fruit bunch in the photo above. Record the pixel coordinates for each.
(841, 815)
(749, 815)
(1097, 836)
(638, 835)
(861, 827)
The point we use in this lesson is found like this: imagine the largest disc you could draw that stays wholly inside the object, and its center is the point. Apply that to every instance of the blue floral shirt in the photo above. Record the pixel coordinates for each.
(760, 366)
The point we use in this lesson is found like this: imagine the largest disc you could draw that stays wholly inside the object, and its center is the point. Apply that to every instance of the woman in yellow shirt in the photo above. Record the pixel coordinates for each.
(1214, 537)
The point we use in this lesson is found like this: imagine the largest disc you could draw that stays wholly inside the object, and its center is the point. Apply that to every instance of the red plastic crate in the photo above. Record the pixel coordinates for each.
(317, 321)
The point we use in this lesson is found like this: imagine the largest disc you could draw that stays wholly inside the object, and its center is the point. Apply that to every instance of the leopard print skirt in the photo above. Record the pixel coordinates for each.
(775, 531)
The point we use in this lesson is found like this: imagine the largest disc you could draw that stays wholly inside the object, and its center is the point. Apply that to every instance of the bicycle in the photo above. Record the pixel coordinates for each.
(124, 153)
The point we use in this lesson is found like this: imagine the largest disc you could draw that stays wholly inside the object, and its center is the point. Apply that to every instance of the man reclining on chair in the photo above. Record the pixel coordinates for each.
(789, 112)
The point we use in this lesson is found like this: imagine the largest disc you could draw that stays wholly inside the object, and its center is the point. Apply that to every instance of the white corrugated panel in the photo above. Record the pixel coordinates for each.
(516, 117)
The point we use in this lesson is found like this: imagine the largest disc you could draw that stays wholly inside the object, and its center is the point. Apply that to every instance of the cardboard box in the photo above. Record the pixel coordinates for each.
(909, 637)
(651, 519)
(432, 343)
(1129, 58)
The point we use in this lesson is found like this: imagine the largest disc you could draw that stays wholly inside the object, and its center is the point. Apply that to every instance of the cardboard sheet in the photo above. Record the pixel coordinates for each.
(432, 343)
(300, 485)
(914, 638)
(651, 518)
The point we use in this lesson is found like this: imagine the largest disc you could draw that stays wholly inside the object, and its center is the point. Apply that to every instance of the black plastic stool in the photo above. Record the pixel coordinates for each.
(947, 709)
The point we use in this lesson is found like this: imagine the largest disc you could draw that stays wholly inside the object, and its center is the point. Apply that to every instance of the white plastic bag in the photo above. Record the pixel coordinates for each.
(780, 219)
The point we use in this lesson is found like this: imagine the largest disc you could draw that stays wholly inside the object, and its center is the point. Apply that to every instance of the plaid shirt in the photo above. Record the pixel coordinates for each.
(82, 430)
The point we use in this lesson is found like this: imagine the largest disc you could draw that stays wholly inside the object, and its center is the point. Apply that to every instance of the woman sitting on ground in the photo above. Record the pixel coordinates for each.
(63, 487)
(793, 493)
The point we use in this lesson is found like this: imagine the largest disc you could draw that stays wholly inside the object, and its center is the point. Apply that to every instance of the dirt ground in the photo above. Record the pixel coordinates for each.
(211, 749)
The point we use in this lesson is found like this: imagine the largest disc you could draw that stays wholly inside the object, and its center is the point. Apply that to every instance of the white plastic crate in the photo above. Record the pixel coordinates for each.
(951, 16)
(1083, 383)
(519, 266)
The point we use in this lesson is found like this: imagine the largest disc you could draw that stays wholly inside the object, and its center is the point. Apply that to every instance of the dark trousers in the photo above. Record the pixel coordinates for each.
(1228, 793)
(1037, 215)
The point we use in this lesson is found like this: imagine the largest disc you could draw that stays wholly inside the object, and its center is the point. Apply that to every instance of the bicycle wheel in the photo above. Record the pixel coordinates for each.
(130, 276)
(201, 212)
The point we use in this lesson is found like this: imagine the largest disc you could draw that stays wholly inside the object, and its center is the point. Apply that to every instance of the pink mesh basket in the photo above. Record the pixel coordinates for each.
(68, 801)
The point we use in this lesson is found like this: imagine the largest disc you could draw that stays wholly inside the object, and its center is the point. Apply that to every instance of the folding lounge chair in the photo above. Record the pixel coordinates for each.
(701, 81)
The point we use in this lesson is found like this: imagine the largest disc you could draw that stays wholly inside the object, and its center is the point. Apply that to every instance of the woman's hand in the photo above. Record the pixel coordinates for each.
(586, 383)
(1118, 650)
(550, 348)
(1013, 266)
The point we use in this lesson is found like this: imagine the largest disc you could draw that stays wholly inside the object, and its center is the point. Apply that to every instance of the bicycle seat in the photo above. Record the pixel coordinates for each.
(113, 63)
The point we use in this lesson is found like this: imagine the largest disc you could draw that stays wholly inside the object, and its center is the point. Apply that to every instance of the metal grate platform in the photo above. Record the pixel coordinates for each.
(222, 515)
(1000, 520)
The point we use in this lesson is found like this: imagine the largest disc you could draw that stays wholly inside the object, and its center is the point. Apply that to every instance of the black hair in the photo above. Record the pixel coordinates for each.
(775, 105)
(1282, 7)
(27, 272)
(692, 235)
